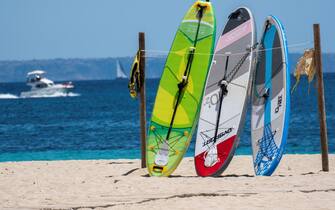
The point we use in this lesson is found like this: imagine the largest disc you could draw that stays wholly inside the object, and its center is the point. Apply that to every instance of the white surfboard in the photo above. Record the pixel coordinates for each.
(226, 95)
(270, 99)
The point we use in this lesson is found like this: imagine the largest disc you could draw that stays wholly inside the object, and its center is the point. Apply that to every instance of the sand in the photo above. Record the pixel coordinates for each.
(298, 183)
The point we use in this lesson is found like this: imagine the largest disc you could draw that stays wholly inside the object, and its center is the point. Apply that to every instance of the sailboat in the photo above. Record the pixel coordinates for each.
(120, 74)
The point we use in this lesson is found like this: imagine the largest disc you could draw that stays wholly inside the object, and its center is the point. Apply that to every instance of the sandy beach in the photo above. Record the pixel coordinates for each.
(120, 184)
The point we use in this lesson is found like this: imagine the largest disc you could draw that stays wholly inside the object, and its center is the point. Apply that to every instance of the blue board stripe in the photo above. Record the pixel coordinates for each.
(288, 93)
(268, 43)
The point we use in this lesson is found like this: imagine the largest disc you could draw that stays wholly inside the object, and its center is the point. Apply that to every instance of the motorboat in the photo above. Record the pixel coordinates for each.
(41, 86)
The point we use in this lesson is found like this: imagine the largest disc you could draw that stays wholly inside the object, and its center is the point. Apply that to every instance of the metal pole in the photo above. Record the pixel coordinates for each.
(141, 39)
(321, 98)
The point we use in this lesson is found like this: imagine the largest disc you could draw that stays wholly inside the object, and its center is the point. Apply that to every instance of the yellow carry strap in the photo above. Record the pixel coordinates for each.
(134, 84)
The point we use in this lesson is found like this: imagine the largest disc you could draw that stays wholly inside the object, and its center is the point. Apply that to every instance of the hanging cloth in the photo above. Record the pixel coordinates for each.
(134, 84)
(305, 66)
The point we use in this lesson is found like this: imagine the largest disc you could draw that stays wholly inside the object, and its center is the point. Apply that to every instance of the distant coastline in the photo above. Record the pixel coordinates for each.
(76, 69)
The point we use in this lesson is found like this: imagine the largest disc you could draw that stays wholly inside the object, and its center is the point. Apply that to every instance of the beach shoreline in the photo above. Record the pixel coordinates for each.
(298, 183)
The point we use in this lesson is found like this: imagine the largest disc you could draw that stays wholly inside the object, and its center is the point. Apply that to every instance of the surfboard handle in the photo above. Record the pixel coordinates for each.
(158, 169)
(224, 87)
(266, 93)
(184, 81)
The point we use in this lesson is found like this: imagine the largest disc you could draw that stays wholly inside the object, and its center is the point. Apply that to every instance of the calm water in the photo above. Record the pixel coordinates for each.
(102, 122)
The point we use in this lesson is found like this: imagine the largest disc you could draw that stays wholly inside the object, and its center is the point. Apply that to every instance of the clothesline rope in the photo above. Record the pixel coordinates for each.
(155, 53)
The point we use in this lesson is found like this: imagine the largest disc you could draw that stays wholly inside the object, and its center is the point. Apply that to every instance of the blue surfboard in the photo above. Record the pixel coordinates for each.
(270, 99)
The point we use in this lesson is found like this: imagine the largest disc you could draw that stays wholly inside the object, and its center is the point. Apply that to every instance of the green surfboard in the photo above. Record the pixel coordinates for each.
(176, 109)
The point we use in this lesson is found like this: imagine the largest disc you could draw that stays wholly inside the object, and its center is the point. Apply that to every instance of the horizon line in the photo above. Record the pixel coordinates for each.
(108, 57)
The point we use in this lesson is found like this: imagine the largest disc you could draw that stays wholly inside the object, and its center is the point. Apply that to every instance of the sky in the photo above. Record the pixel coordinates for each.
(46, 29)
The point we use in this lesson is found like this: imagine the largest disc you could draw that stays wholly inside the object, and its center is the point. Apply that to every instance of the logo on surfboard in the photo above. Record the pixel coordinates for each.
(220, 135)
(279, 103)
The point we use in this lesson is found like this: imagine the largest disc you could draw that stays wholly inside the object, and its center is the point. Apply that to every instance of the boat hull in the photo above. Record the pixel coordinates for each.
(48, 91)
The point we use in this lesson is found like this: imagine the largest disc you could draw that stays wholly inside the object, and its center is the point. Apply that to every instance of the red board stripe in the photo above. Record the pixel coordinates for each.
(224, 150)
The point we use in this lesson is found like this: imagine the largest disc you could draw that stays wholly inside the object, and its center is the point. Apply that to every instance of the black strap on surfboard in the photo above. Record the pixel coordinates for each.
(223, 86)
(184, 82)
(227, 79)
(181, 87)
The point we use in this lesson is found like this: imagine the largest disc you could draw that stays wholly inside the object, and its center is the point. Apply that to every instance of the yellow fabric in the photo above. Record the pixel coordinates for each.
(135, 76)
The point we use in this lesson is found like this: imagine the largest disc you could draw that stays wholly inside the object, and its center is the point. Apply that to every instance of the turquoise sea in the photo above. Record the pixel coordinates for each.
(100, 121)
